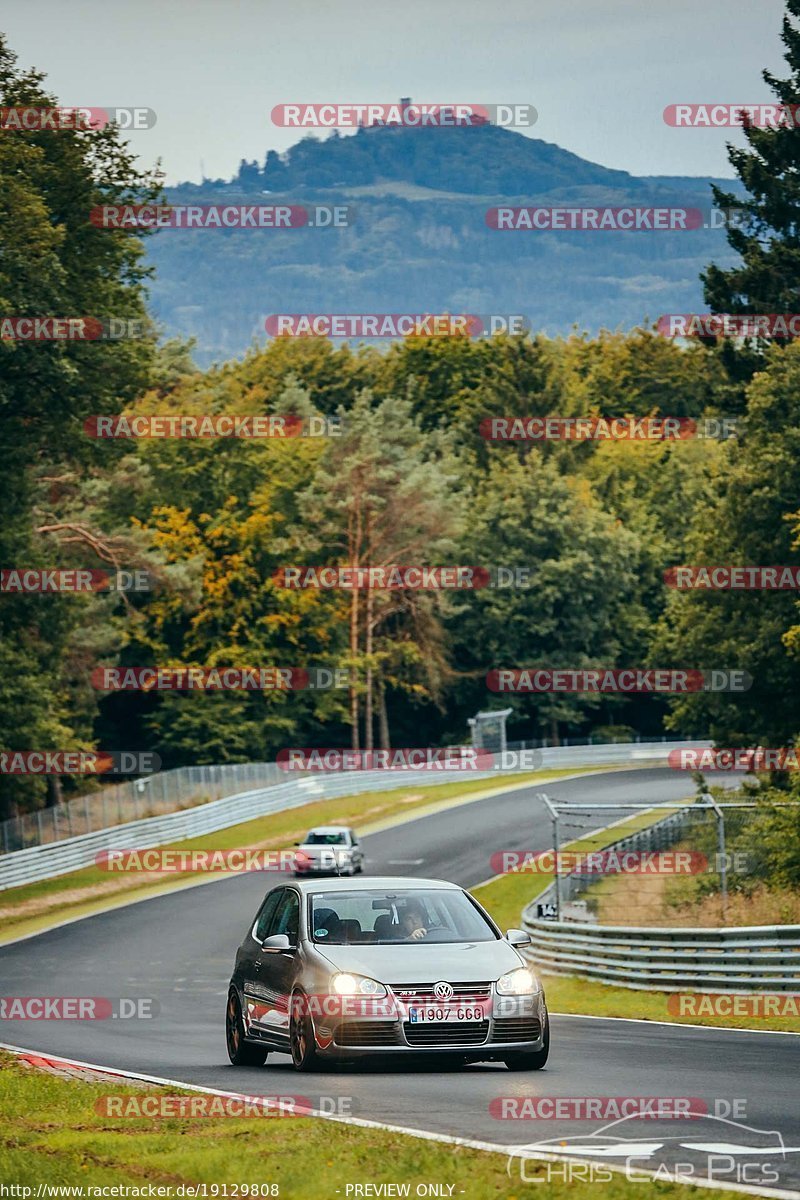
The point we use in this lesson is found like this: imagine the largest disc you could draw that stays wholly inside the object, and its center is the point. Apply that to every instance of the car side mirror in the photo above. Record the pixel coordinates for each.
(518, 937)
(277, 944)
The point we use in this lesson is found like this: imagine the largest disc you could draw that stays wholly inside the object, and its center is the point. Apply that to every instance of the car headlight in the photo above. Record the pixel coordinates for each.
(521, 982)
(357, 985)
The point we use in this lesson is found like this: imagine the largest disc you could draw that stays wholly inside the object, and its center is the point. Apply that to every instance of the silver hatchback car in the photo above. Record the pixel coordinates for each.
(329, 850)
(342, 968)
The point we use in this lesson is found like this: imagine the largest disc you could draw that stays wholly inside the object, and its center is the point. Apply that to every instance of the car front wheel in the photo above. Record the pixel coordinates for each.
(240, 1052)
(301, 1035)
(533, 1060)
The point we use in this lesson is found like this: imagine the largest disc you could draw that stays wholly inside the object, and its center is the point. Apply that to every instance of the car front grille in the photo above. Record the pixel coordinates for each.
(517, 1029)
(422, 993)
(366, 1033)
(449, 1033)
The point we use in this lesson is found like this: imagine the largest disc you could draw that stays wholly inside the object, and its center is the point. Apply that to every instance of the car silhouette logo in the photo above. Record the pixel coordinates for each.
(443, 991)
(605, 1143)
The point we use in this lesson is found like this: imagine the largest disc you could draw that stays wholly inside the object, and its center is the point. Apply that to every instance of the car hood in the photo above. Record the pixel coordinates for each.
(318, 851)
(460, 962)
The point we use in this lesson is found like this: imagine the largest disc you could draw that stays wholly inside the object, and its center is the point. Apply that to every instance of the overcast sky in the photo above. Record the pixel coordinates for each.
(599, 72)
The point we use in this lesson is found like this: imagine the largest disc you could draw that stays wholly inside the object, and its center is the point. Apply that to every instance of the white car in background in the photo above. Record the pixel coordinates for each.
(329, 850)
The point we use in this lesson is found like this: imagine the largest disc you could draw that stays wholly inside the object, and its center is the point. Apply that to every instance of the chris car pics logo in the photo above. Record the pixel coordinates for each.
(711, 1147)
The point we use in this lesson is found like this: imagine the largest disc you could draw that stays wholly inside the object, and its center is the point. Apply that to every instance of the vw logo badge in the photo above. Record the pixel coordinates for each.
(443, 991)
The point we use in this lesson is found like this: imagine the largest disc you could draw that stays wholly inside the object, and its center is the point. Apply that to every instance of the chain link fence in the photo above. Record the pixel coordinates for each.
(134, 799)
(623, 927)
(712, 863)
(182, 788)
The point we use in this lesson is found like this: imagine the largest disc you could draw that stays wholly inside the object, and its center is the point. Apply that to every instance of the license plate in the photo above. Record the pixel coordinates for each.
(440, 1014)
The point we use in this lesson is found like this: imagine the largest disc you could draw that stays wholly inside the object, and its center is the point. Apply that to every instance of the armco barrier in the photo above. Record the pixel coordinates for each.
(157, 795)
(134, 799)
(70, 854)
(762, 958)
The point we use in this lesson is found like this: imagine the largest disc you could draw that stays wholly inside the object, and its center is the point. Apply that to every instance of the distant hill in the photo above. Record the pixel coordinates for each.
(419, 240)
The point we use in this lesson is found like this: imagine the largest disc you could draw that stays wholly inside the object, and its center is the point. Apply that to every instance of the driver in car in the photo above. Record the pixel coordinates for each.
(412, 923)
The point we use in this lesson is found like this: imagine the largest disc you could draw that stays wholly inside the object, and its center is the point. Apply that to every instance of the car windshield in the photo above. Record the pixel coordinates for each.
(315, 838)
(382, 918)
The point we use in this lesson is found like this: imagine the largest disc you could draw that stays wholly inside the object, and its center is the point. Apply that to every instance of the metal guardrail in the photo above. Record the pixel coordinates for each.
(133, 799)
(745, 959)
(161, 793)
(69, 854)
(763, 958)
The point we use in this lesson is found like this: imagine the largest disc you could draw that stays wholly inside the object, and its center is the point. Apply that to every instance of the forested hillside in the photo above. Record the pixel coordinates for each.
(419, 241)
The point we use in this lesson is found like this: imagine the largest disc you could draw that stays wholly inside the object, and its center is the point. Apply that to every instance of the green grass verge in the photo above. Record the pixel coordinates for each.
(36, 906)
(566, 994)
(50, 1134)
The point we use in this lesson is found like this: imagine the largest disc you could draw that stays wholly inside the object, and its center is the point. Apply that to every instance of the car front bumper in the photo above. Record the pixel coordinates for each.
(511, 1025)
(323, 867)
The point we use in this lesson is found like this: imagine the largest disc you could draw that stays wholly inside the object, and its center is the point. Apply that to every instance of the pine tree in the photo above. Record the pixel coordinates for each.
(767, 231)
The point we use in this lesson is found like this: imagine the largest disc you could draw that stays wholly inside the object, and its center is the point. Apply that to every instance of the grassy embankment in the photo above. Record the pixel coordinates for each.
(51, 1135)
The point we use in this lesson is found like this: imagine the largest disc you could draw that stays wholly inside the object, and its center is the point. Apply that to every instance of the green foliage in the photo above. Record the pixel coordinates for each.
(744, 519)
(582, 594)
(767, 234)
(54, 262)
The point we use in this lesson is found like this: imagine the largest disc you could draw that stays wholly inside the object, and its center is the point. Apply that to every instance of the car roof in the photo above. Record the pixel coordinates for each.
(338, 883)
(329, 829)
